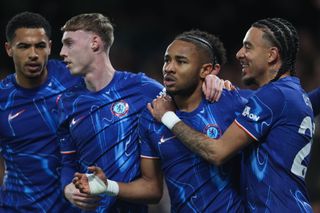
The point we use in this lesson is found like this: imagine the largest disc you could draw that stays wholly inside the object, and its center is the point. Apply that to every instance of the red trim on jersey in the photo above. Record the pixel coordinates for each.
(149, 157)
(244, 129)
(67, 152)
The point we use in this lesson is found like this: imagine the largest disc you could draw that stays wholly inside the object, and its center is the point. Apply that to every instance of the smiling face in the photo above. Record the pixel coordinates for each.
(30, 49)
(254, 58)
(181, 68)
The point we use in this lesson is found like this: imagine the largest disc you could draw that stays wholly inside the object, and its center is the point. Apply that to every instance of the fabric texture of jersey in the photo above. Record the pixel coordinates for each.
(195, 185)
(29, 143)
(279, 117)
(100, 128)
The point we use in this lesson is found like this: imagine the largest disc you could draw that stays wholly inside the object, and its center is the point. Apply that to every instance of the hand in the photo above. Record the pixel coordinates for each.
(229, 86)
(212, 87)
(161, 105)
(81, 200)
(81, 181)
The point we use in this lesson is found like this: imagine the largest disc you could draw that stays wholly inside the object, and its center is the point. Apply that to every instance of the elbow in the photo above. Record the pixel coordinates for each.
(216, 159)
(157, 193)
(155, 200)
(155, 197)
(154, 193)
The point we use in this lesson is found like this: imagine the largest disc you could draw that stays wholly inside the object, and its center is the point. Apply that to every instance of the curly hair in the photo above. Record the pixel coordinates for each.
(26, 20)
(207, 41)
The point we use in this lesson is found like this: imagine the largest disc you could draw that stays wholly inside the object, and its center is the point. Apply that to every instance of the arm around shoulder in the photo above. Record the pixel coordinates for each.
(216, 151)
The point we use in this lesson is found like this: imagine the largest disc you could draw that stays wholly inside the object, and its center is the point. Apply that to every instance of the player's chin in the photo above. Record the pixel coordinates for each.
(33, 73)
(171, 91)
(247, 80)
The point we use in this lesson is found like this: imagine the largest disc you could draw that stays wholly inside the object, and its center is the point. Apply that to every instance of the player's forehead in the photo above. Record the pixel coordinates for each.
(75, 35)
(183, 48)
(255, 37)
(30, 35)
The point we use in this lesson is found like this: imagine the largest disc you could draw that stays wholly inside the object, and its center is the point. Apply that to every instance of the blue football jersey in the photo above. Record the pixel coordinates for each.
(194, 184)
(29, 144)
(100, 128)
(279, 117)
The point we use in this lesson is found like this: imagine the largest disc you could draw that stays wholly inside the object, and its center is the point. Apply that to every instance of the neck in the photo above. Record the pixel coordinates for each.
(100, 75)
(30, 83)
(272, 77)
(188, 103)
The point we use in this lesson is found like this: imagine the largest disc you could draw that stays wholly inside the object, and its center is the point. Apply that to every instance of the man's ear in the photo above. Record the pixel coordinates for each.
(95, 43)
(50, 45)
(8, 49)
(209, 69)
(274, 55)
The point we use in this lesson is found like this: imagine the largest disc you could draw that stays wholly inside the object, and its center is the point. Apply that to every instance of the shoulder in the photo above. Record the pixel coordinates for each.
(140, 77)
(233, 97)
(7, 82)
(271, 92)
(140, 82)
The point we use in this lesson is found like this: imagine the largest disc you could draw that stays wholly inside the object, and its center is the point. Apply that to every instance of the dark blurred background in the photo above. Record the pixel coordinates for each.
(143, 31)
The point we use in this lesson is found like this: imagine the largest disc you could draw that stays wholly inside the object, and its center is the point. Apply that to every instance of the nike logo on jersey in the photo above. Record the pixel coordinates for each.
(163, 140)
(74, 121)
(11, 117)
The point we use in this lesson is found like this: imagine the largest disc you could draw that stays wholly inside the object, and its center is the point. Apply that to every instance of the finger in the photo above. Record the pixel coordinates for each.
(219, 91)
(75, 179)
(85, 197)
(228, 85)
(86, 206)
(84, 190)
(150, 108)
(167, 97)
(204, 90)
(77, 175)
(211, 89)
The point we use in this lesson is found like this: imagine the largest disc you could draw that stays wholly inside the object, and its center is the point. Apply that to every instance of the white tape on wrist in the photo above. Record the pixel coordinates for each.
(97, 186)
(169, 119)
(112, 188)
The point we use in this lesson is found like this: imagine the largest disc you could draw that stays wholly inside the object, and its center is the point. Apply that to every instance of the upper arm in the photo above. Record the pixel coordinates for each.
(151, 171)
(146, 189)
(69, 163)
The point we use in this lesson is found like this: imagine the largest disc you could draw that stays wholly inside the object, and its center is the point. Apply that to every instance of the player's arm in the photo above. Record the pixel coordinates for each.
(215, 151)
(69, 166)
(146, 189)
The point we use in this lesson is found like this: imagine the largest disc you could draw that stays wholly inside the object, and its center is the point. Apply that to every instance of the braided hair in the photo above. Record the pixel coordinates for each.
(209, 42)
(284, 36)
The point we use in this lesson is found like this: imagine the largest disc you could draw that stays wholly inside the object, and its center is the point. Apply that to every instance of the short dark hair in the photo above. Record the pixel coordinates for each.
(282, 34)
(26, 20)
(92, 22)
(210, 42)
